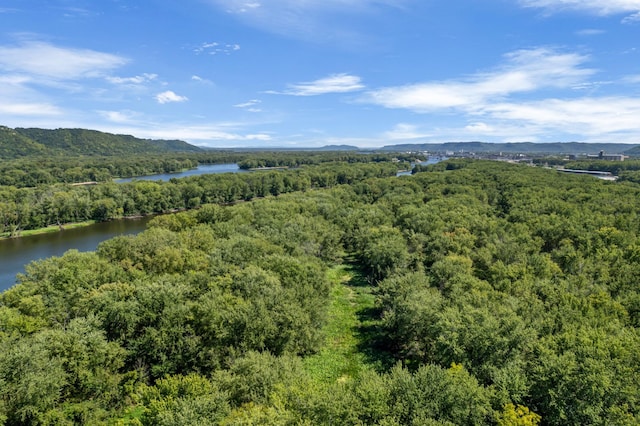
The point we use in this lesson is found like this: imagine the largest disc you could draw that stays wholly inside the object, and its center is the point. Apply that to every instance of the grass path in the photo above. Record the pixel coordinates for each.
(347, 351)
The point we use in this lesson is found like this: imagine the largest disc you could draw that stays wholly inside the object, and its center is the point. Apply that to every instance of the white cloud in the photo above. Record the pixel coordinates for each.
(201, 80)
(631, 19)
(57, 63)
(244, 7)
(512, 101)
(306, 19)
(77, 12)
(301, 7)
(633, 79)
(119, 116)
(169, 96)
(590, 32)
(136, 80)
(29, 109)
(14, 79)
(250, 106)
(525, 71)
(195, 133)
(598, 7)
(480, 127)
(215, 48)
(593, 117)
(335, 83)
(404, 131)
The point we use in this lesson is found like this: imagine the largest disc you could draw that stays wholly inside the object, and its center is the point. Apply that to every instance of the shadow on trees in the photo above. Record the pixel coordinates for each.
(372, 342)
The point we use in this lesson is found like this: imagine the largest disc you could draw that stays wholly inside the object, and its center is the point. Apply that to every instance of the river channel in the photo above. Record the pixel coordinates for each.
(15, 253)
(203, 169)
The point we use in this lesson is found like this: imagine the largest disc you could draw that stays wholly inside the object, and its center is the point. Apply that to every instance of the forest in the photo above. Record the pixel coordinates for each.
(469, 293)
(29, 208)
(21, 143)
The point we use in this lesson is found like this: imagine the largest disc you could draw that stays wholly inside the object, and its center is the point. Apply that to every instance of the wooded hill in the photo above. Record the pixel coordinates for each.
(20, 142)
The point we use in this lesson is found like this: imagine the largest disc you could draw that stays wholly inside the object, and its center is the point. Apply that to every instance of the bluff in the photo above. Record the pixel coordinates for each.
(24, 142)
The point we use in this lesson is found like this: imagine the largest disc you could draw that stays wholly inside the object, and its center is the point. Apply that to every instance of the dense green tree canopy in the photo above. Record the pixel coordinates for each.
(499, 294)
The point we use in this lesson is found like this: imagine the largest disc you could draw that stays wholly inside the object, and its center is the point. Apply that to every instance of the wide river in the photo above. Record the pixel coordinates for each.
(203, 169)
(15, 253)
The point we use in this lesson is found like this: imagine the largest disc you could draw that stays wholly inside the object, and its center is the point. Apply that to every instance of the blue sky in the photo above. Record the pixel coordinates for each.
(293, 73)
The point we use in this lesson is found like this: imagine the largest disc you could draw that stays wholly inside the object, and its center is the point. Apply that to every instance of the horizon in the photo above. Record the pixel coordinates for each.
(286, 74)
(303, 147)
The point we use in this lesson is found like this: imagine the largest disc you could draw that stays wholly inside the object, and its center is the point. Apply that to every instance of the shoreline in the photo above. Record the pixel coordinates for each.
(46, 230)
(60, 228)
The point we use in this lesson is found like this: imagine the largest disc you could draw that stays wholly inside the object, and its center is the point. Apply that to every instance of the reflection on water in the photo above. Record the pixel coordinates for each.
(16, 252)
(203, 169)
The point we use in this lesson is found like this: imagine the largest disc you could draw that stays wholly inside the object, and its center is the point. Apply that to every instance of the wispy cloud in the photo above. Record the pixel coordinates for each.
(135, 80)
(215, 48)
(195, 134)
(305, 19)
(510, 101)
(598, 7)
(169, 96)
(250, 106)
(28, 66)
(590, 32)
(335, 83)
(58, 63)
(525, 71)
(632, 19)
(300, 7)
(29, 109)
(405, 131)
(595, 117)
(633, 79)
(77, 12)
(201, 80)
(125, 116)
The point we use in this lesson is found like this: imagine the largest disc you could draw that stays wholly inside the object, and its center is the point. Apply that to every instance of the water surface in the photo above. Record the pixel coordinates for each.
(203, 169)
(17, 252)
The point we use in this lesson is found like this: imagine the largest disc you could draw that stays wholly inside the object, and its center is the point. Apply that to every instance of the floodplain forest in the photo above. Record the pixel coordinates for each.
(469, 293)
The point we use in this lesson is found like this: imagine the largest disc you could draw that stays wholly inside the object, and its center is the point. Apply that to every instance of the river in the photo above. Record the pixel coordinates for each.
(15, 253)
(203, 169)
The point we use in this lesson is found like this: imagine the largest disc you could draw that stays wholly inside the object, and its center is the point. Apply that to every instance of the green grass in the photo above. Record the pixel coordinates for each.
(352, 303)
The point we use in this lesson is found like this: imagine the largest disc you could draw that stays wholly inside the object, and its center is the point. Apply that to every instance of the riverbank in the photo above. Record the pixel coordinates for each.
(47, 230)
(66, 226)
(18, 252)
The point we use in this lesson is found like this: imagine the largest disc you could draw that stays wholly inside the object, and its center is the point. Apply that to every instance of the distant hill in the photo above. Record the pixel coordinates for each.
(21, 142)
(338, 148)
(13, 144)
(518, 147)
(633, 152)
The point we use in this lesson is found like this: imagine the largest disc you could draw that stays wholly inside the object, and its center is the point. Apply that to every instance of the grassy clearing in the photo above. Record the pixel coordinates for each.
(350, 313)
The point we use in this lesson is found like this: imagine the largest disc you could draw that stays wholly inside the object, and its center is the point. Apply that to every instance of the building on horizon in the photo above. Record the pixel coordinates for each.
(607, 157)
